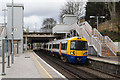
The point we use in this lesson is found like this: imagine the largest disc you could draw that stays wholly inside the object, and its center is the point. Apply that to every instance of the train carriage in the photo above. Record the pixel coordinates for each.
(73, 49)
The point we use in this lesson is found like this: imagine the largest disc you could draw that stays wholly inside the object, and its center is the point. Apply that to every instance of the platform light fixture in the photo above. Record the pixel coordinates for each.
(97, 17)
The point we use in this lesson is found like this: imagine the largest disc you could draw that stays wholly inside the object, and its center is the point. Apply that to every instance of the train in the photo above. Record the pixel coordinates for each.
(73, 50)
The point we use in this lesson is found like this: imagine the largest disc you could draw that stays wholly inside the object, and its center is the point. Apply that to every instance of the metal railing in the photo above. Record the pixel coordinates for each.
(86, 31)
(94, 37)
(97, 34)
(3, 34)
(88, 28)
(111, 45)
(86, 35)
(97, 45)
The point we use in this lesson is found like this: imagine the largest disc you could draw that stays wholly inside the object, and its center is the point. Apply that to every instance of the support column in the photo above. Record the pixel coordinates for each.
(17, 47)
(25, 43)
(3, 57)
(66, 35)
(9, 52)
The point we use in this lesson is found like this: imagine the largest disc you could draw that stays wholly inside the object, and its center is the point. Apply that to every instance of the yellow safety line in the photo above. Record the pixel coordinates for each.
(42, 67)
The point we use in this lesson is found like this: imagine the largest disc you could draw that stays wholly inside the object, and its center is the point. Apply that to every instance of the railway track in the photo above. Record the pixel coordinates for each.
(81, 72)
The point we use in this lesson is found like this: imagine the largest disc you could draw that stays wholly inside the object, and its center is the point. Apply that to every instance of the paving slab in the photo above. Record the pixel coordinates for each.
(29, 65)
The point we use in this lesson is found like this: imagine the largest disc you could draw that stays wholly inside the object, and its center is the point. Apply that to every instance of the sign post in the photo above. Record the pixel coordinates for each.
(3, 58)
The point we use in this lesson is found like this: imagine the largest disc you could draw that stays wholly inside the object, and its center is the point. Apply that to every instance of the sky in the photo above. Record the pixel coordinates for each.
(35, 11)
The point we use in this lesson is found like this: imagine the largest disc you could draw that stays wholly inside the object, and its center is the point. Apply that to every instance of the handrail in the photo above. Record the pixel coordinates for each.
(3, 33)
(97, 44)
(111, 45)
(97, 34)
(88, 25)
(86, 35)
(88, 28)
(84, 31)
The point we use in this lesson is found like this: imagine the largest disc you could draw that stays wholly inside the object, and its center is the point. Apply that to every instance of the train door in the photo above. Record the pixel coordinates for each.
(60, 48)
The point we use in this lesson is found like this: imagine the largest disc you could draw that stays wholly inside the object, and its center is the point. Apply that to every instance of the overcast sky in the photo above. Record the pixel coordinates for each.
(35, 11)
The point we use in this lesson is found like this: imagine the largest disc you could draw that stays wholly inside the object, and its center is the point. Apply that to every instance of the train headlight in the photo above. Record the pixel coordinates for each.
(85, 53)
(72, 53)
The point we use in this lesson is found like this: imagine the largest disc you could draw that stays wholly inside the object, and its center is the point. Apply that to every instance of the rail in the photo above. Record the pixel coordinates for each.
(84, 29)
(86, 35)
(111, 45)
(96, 42)
(3, 34)
(86, 32)
(88, 28)
(97, 45)
(79, 30)
(97, 34)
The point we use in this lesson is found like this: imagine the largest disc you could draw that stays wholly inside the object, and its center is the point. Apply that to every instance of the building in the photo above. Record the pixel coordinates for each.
(18, 23)
(69, 19)
(65, 27)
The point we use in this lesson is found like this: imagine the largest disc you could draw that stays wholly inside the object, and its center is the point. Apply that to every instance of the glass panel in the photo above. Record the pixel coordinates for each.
(78, 45)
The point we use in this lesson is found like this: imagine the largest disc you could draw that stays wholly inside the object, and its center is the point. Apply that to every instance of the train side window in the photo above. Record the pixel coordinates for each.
(53, 45)
(56, 46)
(44, 46)
(64, 46)
(47, 46)
(50, 46)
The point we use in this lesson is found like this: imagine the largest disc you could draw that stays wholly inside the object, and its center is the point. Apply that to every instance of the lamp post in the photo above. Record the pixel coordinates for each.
(6, 37)
(97, 17)
(12, 56)
(3, 44)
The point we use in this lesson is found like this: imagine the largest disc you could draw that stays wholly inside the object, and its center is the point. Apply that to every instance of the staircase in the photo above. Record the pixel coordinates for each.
(103, 45)
(106, 51)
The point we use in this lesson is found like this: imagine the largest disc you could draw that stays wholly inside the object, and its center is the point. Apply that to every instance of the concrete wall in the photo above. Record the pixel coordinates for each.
(69, 19)
(18, 21)
(105, 67)
(91, 51)
(61, 28)
(118, 45)
(18, 24)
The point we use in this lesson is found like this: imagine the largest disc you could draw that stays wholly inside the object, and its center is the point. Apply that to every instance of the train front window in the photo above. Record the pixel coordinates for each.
(78, 45)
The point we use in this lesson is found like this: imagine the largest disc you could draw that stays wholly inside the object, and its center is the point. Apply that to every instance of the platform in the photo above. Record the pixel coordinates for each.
(29, 65)
(112, 60)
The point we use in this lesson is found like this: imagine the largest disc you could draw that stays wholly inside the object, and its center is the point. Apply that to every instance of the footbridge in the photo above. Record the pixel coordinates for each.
(101, 45)
(38, 37)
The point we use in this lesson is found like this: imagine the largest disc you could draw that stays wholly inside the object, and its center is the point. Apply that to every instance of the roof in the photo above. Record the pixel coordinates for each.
(15, 5)
(63, 40)
(69, 15)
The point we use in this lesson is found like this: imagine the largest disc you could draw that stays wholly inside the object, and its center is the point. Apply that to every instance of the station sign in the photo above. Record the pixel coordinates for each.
(15, 29)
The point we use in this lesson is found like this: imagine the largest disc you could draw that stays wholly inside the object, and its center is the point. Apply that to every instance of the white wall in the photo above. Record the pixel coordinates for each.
(69, 20)
(118, 45)
(18, 23)
(61, 28)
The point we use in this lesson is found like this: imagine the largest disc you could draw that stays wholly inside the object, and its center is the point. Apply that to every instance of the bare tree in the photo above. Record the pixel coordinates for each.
(49, 23)
(112, 9)
(74, 7)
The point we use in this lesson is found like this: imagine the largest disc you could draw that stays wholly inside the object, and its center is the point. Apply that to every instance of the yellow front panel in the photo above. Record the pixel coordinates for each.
(68, 47)
(80, 53)
(77, 52)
